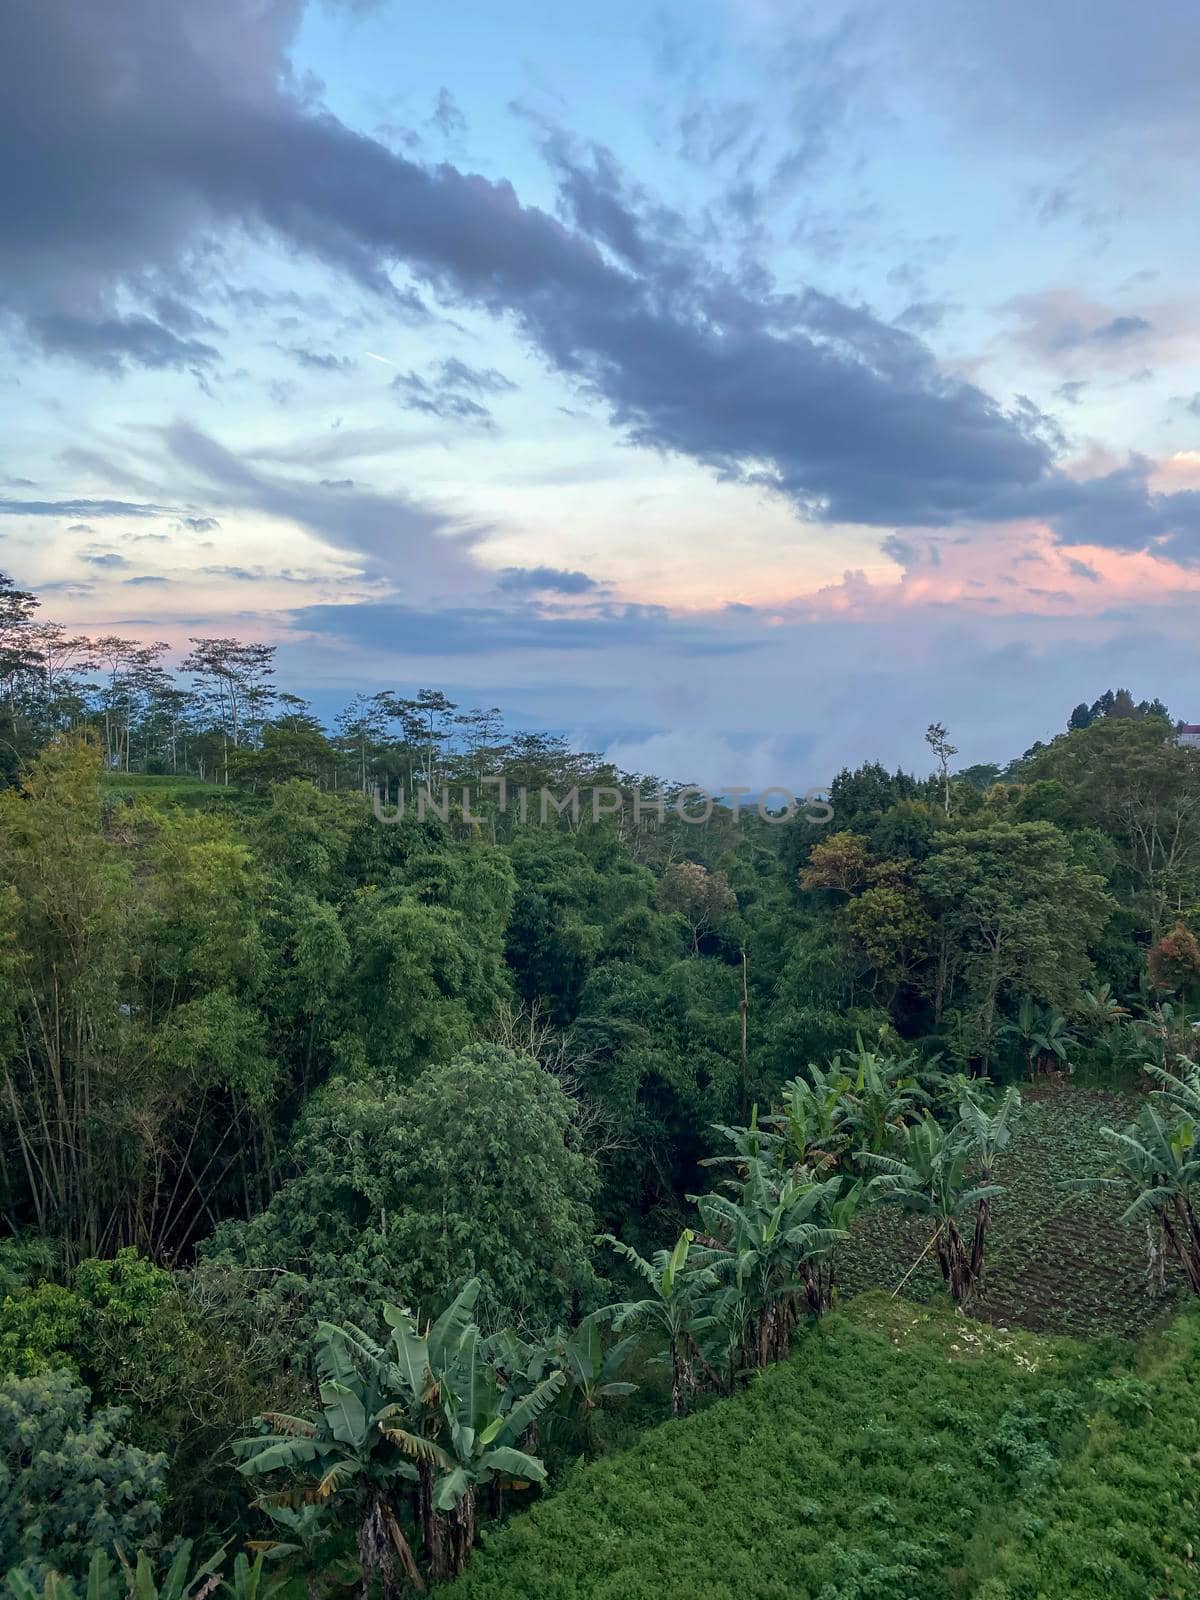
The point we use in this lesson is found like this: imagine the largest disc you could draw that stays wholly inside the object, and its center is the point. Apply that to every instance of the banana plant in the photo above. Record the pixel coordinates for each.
(305, 1542)
(814, 1117)
(679, 1305)
(590, 1367)
(343, 1456)
(933, 1175)
(105, 1581)
(458, 1422)
(764, 1243)
(881, 1098)
(1158, 1168)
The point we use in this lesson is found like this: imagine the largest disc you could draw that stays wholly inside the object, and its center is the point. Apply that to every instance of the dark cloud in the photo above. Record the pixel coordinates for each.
(434, 400)
(199, 524)
(532, 580)
(114, 343)
(80, 508)
(447, 118)
(166, 129)
(1056, 323)
(1121, 511)
(1072, 392)
(1120, 328)
(923, 316)
(457, 374)
(106, 559)
(147, 582)
(485, 630)
(389, 531)
(1082, 570)
(316, 360)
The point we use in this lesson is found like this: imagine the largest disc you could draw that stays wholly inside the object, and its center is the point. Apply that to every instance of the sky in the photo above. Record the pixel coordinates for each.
(736, 386)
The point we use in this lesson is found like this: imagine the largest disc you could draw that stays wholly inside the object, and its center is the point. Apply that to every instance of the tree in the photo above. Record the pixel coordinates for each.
(1014, 912)
(947, 1176)
(841, 862)
(414, 1428)
(234, 684)
(677, 1307)
(470, 1171)
(703, 899)
(69, 1484)
(765, 1240)
(1157, 1167)
(1174, 962)
(938, 741)
(1129, 777)
(1043, 1033)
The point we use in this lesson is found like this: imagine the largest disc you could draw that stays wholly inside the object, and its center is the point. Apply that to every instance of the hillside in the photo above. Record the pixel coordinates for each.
(1060, 1260)
(811, 1482)
(892, 1456)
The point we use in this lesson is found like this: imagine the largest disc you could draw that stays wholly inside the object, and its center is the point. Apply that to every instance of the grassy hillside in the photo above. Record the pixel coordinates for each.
(1122, 1522)
(902, 1452)
(862, 1467)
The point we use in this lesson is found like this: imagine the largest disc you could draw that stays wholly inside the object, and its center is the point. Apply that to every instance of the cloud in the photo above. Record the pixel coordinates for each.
(106, 559)
(114, 343)
(179, 126)
(489, 630)
(1060, 326)
(389, 532)
(447, 118)
(533, 580)
(455, 374)
(80, 508)
(419, 394)
(315, 360)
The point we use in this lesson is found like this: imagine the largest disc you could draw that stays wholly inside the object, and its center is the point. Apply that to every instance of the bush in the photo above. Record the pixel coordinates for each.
(69, 1483)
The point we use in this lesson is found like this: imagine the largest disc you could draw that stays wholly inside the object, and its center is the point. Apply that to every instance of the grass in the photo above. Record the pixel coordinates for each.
(1122, 1521)
(860, 1469)
(1058, 1261)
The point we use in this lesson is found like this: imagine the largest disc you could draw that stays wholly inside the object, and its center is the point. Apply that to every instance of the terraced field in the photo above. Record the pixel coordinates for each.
(1058, 1261)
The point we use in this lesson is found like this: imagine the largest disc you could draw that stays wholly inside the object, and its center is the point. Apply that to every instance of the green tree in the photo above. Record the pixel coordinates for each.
(1014, 913)
(470, 1172)
(69, 1484)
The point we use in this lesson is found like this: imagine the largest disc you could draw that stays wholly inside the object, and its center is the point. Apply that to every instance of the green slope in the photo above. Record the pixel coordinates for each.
(861, 1469)
(1123, 1520)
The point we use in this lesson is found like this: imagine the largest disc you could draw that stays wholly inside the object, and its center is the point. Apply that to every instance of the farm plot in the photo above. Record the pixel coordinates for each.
(1058, 1261)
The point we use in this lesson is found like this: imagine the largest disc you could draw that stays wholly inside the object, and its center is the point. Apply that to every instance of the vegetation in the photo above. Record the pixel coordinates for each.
(386, 1135)
(897, 1452)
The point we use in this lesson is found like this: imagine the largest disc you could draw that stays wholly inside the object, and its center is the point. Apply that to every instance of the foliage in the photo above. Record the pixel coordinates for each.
(817, 1462)
(471, 1171)
(1119, 1521)
(409, 1431)
(69, 1483)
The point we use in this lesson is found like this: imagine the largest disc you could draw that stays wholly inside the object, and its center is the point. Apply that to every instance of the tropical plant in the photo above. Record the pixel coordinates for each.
(679, 1306)
(1158, 1169)
(409, 1431)
(763, 1243)
(947, 1176)
(181, 1581)
(1043, 1033)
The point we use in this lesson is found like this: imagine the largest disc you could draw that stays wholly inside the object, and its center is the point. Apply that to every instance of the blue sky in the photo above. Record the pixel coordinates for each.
(733, 386)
